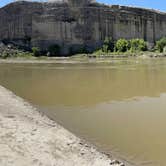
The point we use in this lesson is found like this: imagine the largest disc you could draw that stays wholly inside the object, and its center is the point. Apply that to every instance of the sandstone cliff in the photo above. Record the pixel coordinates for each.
(74, 25)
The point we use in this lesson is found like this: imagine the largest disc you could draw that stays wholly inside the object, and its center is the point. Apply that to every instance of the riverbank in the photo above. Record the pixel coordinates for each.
(81, 59)
(29, 138)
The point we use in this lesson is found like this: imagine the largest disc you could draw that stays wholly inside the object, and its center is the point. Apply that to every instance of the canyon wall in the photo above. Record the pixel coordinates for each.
(74, 26)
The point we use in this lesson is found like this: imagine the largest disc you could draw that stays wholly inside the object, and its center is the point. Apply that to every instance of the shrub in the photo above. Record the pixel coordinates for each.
(108, 45)
(54, 50)
(122, 45)
(137, 45)
(36, 51)
(99, 52)
(5, 55)
(160, 44)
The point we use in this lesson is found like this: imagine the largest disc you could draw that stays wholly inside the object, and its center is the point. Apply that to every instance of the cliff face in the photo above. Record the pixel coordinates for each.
(74, 26)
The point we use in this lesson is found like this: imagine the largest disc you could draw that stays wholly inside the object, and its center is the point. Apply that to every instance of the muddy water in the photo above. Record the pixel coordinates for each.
(119, 105)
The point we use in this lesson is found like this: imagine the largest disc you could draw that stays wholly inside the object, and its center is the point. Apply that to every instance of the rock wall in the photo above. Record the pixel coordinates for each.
(75, 26)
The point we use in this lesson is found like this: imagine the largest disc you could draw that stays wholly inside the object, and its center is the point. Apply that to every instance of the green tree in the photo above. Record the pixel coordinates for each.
(160, 44)
(108, 45)
(122, 45)
(137, 45)
(36, 51)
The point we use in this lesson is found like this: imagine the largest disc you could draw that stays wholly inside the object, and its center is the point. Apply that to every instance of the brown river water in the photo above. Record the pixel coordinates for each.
(118, 105)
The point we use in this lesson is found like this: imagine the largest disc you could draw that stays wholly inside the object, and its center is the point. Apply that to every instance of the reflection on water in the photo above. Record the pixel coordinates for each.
(118, 105)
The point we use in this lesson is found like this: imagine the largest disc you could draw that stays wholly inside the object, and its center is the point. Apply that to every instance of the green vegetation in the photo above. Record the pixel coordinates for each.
(5, 55)
(108, 45)
(133, 45)
(19, 54)
(161, 45)
(10, 51)
(110, 48)
(122, 45)
(137, 45)
(36, 51)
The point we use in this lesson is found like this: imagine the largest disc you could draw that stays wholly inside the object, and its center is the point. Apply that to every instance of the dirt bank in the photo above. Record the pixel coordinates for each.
(28, 138)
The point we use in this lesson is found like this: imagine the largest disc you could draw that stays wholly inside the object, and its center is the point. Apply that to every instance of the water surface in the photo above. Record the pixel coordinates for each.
(119, 105)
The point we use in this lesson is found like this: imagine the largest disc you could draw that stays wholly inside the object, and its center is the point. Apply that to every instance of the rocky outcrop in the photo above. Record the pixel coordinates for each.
(76, 25)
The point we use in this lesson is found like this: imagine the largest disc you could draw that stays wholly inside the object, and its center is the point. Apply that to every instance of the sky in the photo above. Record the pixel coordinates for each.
(152, 4)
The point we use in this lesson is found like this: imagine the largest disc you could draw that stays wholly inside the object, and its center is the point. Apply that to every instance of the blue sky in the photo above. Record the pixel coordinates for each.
(155, 4)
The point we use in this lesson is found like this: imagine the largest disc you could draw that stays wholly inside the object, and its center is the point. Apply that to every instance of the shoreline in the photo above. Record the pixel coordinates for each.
(30, 138)
(76, 59)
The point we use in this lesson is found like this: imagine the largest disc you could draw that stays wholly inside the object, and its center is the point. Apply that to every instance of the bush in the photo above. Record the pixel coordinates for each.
(36, 51)
(122, 45)
(54, 50)
(108, 45)
(161, 44)
(99, 52)
(137, 45)
(5, 54)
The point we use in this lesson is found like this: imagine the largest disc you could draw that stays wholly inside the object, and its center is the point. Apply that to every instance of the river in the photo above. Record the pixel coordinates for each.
(118, 105)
